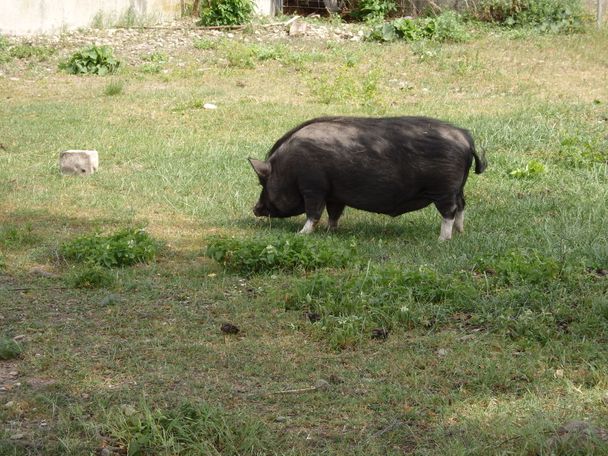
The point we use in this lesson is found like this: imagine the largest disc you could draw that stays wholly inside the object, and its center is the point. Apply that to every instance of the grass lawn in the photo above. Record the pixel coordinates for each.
(375, 340)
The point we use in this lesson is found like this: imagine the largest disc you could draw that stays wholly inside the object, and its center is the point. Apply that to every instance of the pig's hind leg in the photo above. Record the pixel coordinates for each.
(313, 206)
(448, 208)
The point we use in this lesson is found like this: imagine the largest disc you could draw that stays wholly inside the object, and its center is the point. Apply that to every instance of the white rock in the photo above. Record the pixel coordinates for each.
(80, 162)
(209, 106)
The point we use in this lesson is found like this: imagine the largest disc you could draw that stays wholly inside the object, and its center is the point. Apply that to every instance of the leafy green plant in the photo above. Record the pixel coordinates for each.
(447, 26)
(9, 349)
(187, 429)
(533, 168)
(91, 60)
(124, 248)
(287, 253)
(373, 10)
(227, 12)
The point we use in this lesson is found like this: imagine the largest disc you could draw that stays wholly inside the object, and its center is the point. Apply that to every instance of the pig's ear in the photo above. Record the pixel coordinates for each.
(261, 168)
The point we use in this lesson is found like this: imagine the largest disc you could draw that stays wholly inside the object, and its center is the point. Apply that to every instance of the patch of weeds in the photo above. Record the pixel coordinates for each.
(124, 248)
(128, 18)
(18, 236)
(299, 59)
(113, 88)
(151, 68)
(239, 54)
(448, 26)
(91, 60)
(577, 152)
(346, 84)
(91, 276)
(28, 51)
(227, 12)
(187, 429)
(156, 57)
(9, 349)
(288, 253)
(205, 44)
(350, 306)
(2, 262)
(521, 267)
(426, 50)
(195, 104)
(532, 169)
(4, 53)
(546, 16)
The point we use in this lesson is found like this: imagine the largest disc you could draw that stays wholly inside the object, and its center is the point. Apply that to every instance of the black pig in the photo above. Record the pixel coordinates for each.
(384, 165)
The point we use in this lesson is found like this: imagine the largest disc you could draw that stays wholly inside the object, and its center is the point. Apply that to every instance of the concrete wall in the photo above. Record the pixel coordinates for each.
(23, 17)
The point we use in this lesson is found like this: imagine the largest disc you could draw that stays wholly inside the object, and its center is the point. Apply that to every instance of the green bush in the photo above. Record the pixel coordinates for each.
(448, 26)
(92, 60)
(286, 254)
(124, 248)
(372, 10)
(227, 12)
(9, 349)
(555, 16)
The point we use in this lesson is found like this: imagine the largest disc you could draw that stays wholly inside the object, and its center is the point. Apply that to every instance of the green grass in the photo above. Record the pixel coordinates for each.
(492, 340)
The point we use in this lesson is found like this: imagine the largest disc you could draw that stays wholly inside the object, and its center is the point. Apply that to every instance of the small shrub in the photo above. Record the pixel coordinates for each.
(533, 169)
(125, 248)
(227, 12)
(9, 349)
(113, 88)
(288, 253)
(92, 276)
(187, 429)
(92, 60)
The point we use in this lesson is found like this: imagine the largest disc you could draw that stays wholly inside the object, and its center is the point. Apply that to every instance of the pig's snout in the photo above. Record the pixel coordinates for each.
(259, 210)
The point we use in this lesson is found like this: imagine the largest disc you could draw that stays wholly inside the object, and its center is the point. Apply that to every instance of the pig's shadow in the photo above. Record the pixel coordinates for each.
(385, 228)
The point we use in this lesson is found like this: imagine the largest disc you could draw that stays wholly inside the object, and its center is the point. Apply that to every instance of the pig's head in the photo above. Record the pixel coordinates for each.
(276, 199)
